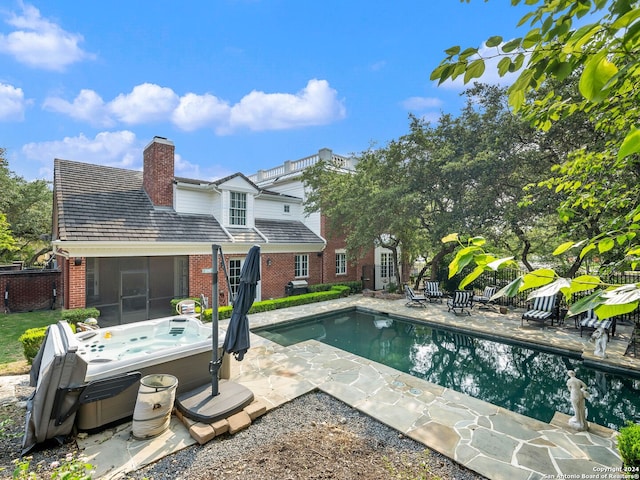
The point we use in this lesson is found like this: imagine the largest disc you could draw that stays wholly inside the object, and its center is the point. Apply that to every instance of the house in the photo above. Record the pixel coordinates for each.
(127, 242)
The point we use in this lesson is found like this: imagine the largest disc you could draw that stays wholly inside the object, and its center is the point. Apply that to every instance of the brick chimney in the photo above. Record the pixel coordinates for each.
(158, 171)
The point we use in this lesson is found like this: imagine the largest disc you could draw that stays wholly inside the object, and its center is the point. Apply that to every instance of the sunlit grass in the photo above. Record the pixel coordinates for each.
(12, 325)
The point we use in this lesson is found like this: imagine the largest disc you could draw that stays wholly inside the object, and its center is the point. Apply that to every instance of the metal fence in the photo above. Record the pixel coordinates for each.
(504, 277)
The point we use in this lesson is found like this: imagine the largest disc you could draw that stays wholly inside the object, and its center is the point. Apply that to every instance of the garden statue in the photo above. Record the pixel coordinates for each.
(578, 394)
(600, 337)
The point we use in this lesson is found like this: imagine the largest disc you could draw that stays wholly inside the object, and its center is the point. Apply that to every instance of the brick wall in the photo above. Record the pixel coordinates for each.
(30, 290)
(75, 295)
(354, 269)
(158, 171)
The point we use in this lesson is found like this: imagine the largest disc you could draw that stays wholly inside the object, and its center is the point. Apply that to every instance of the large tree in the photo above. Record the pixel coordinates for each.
(601, 179)
(26, 207)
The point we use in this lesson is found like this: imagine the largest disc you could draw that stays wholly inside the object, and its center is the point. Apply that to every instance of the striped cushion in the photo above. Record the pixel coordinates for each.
(537, 315)
(432, 289)
(544, 303)
(594, 322)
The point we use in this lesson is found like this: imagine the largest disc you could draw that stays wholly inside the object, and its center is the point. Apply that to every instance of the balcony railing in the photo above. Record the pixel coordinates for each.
(293, 166)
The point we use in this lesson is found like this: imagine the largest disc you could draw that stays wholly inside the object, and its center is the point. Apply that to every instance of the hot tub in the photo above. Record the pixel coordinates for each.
(91, 379)
(179, 346)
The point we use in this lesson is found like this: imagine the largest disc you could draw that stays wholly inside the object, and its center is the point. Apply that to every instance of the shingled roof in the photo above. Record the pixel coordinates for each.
(98, 203)
(109, 204)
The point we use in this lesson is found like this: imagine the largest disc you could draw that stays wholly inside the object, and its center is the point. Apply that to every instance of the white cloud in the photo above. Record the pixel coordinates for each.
(421, 103)
(316, 104)
(197, 111)
(87, 106)
(116, 149)
(146, 103)
(12, 102)
(490, 75)
(39, 43)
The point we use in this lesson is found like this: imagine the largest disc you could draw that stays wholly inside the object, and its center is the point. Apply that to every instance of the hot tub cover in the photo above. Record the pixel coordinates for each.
(56, 366)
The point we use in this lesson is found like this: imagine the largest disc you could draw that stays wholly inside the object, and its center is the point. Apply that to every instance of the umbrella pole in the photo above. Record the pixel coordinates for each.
(209, 403)
(214, 322)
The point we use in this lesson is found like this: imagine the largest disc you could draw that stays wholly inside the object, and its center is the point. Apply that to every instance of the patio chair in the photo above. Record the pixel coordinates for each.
(462, 302)
(432, 291)
(591, 321)
(414, 300)
(543, 309)
(485, 299)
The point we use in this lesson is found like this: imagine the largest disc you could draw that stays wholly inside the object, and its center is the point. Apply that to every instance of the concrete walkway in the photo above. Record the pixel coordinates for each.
(488, 439)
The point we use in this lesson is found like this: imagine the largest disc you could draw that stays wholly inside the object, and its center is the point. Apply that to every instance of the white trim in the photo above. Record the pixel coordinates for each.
(151, 249)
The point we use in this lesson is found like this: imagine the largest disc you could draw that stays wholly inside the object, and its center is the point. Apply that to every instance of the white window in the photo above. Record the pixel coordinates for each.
(386, 265)
(238, 209)
(302, 266)
(287, 209)
(341, 263)
(234, 275)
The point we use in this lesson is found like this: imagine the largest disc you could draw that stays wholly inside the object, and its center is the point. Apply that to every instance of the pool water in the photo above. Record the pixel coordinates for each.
(520, 379)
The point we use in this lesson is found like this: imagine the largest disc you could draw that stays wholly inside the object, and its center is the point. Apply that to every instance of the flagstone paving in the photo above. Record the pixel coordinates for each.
(488, 439)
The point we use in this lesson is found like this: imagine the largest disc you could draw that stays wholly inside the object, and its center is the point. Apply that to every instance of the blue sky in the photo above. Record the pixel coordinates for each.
(237, 85)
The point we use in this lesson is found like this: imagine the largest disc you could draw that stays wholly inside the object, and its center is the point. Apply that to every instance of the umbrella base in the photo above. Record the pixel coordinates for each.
(200, 406)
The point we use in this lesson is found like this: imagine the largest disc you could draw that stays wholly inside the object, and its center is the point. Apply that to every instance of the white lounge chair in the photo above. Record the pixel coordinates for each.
(432, 291)
(414, 300)
(462, 302)
(485, 299)
(543, 309)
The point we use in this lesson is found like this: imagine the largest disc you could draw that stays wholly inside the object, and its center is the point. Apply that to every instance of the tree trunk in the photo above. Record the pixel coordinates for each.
(437, 259)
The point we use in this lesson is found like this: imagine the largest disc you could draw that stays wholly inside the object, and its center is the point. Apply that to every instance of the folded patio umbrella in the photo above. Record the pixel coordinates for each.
(236, 340)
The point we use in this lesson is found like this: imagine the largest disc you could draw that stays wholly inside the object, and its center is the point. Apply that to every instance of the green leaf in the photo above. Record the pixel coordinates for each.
(531, 38)
(452, 50)
(605, 244)
(630, 145)
(583, 283)
(471, 277)
(511, 45)
(538, 278)
(503, 66)
(477, 241)
(587, 249)
(511, 289)
(493, 41)
(468, 52)
(563, 247)
(597, 73)
(605, 311)
(474, 70)
(452, 237)
(589, 302)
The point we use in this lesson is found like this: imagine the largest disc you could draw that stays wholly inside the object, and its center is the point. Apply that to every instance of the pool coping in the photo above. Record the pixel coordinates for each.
(484, 435)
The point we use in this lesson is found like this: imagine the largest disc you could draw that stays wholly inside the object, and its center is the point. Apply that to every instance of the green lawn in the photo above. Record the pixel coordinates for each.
(12, 325)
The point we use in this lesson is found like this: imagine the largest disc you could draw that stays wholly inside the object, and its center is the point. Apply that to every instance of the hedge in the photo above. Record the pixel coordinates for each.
(354, 287)
(336, 291)
(76, 315)
(32, 338)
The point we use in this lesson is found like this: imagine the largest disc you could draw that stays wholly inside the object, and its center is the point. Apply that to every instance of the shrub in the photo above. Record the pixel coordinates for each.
(76, 315)
(336, 291)
(354, 287)
(31, 341)
(629, 445)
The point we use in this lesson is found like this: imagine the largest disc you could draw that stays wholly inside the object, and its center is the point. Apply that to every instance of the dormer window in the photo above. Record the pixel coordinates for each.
(287, 209)
(238, 208)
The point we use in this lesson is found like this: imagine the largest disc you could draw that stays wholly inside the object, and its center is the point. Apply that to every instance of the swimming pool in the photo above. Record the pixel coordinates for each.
(524, 380)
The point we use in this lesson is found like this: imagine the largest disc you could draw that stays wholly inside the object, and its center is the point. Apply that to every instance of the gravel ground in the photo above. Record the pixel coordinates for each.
(312, 437)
